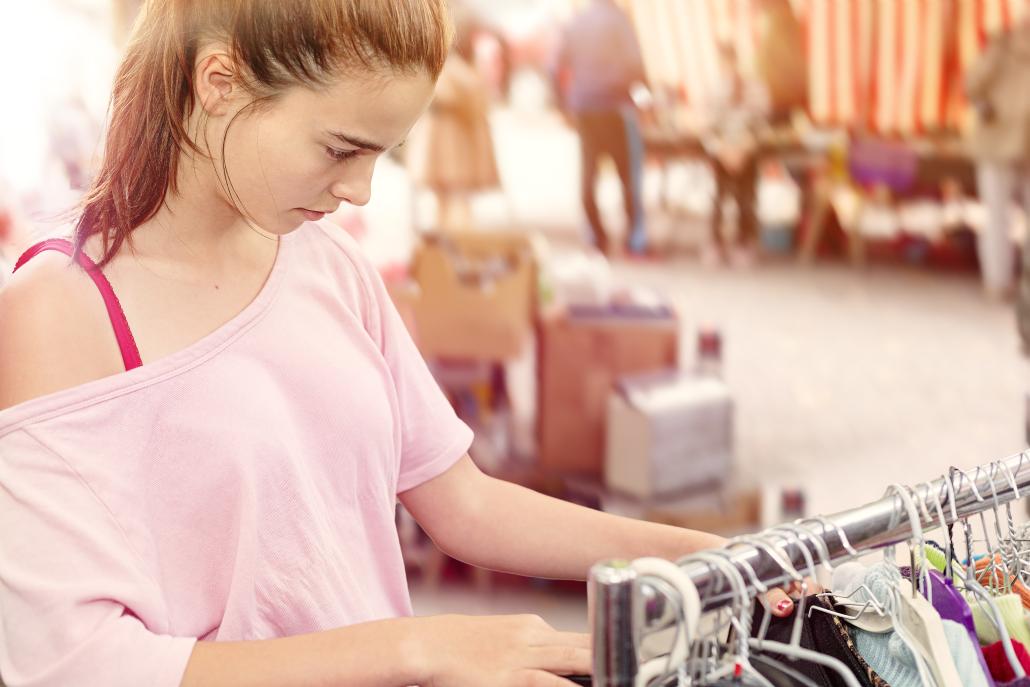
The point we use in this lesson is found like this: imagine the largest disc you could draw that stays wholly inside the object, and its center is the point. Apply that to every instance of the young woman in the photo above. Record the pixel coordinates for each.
(209, 414)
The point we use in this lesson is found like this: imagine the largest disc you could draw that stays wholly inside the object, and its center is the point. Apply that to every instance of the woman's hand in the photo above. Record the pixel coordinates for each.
(780, 602)
(507, 651)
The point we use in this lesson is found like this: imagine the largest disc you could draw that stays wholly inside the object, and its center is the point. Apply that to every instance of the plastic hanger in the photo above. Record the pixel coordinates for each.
(689, 603)
(916, 613)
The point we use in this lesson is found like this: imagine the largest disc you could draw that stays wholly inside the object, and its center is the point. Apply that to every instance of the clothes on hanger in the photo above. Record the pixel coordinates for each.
(888, 654)
(984, 576)
(892, 659)
(997, 579)
(998, 662)
(951, 605)
(820, 632)
(1011, 608)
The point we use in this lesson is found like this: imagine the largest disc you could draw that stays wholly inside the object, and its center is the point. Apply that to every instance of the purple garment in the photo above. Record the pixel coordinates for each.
(950, 605)
(893, 163)
(600, 55)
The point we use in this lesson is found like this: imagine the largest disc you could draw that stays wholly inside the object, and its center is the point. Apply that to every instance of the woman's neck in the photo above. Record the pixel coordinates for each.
(197, 228)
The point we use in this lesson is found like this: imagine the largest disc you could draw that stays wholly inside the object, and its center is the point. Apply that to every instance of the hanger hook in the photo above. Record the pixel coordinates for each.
(972, 484)
(917, 533)
(817, 542)
(837, 529)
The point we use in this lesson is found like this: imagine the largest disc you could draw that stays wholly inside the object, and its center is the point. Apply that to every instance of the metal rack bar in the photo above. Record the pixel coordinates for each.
(867, 528)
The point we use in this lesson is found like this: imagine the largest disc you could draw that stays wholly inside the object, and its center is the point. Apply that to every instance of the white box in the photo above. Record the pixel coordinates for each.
(668, 432)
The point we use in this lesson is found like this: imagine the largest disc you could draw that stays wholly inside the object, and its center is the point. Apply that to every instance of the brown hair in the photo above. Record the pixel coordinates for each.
(274, 43)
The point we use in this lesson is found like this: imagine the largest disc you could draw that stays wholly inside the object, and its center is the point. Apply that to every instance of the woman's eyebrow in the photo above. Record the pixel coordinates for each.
(358, 142)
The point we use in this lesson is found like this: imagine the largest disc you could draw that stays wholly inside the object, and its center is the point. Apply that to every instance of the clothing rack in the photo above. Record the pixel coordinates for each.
(618, 615)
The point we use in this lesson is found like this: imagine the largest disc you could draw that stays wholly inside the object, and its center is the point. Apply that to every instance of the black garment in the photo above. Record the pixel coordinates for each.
(820, 632)
(604, 133)
(741, 186)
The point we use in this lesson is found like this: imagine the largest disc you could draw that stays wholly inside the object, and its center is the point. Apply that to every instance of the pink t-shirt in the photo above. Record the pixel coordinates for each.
(242, 488)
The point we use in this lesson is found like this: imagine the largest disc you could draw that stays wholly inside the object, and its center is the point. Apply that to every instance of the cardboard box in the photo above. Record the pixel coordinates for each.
(668, 432)
(476, 294)
(579, 362)
(734, 512)
(728, 509)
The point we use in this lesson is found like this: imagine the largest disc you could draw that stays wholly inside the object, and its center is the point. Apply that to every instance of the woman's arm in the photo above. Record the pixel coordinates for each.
(442, 651)
(378, 653)
(502, 526)
(495, 524)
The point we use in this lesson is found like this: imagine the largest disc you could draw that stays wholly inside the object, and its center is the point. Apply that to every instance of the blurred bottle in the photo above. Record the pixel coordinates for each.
(709, 352)
(1026, 429)
(792, 504)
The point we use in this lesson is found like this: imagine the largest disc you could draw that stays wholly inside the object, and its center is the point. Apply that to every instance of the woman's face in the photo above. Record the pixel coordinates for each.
(311, 150)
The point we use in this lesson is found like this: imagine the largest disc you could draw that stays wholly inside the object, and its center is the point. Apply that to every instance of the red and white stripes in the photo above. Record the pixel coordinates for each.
(893, 67)
(680, 40)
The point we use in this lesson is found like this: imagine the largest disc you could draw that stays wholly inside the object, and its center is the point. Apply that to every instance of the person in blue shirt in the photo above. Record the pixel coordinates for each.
(597, 63)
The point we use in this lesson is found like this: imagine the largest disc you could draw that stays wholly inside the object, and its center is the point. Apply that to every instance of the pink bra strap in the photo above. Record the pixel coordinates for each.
(127, 344)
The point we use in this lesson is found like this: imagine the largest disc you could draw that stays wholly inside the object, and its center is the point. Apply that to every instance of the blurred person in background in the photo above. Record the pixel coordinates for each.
(597, 63)
(458, 153)
(780, 62)
(738, 114)
(998, 86)
(209, 413)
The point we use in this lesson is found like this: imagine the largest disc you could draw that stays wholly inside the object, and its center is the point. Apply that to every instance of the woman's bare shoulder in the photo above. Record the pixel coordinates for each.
(54, 330)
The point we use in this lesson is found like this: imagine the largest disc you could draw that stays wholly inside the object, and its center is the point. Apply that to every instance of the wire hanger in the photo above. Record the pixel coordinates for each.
(793, 650)
(973, 587)
(740, 619)
(788, 568)
(915, 616)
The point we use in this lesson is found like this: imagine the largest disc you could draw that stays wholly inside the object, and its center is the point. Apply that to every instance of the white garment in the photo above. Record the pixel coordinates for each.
(997, 181)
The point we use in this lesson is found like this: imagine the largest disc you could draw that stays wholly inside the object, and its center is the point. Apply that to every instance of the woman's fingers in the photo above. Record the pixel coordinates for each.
(577, 639)
(780, 604)
(566, 660)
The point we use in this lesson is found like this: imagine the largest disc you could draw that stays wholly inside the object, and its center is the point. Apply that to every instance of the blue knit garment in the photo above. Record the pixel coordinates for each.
(891, 658)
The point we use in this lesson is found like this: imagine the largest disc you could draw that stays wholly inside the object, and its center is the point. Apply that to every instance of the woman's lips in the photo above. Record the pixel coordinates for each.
(312, 215)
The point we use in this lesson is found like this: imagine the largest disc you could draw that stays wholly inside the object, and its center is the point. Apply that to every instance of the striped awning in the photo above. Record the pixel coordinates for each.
(892, 66)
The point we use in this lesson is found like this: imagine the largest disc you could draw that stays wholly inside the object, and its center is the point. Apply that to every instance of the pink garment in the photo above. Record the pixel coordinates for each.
(241, 488)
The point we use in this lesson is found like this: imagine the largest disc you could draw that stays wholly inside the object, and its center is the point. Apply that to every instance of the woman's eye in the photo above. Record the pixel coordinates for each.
(340, 155)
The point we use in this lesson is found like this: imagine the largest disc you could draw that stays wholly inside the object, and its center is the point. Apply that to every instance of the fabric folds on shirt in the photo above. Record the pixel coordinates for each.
(242, 488)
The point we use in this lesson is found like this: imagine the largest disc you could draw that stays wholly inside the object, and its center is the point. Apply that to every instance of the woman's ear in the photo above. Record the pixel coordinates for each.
(215, 82)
